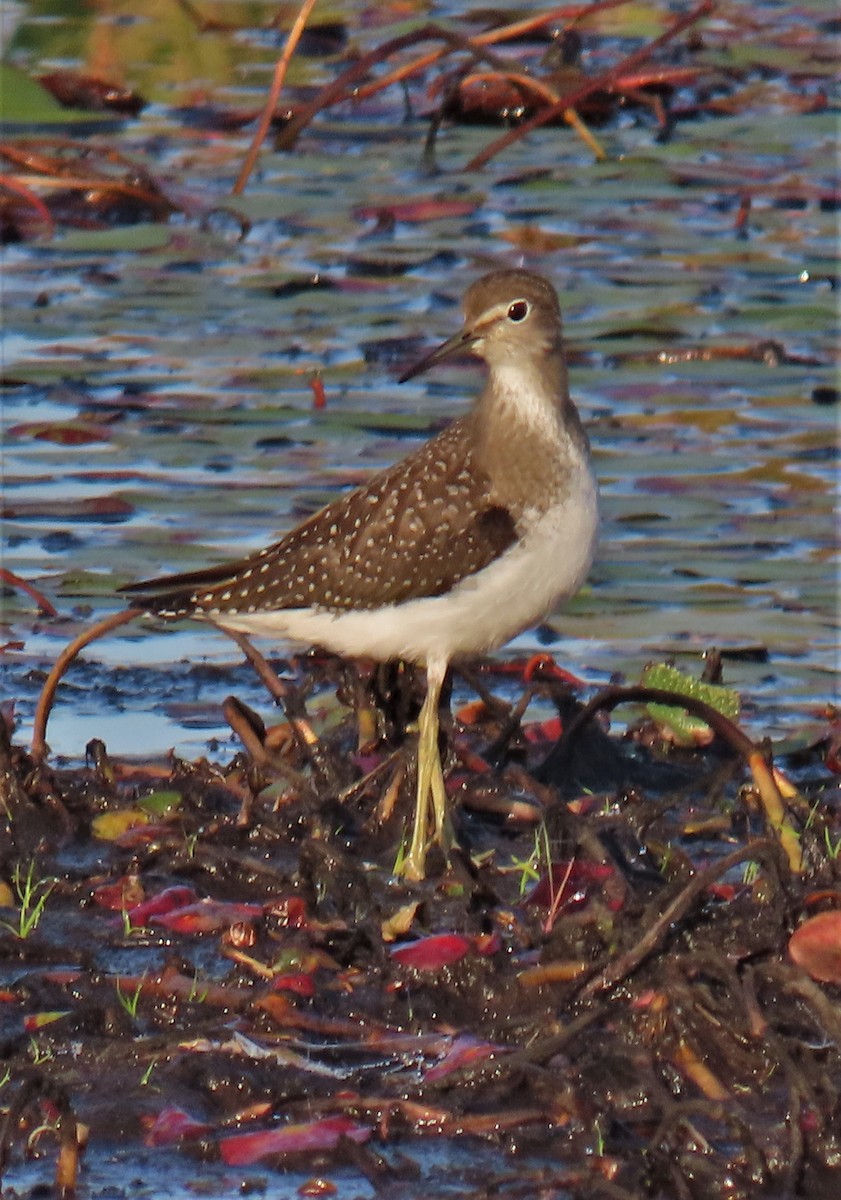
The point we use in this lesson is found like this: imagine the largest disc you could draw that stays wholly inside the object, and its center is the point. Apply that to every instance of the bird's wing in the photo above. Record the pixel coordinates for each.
(415, 529)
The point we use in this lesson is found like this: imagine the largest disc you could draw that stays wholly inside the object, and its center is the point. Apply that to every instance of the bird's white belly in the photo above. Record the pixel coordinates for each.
(479, 614)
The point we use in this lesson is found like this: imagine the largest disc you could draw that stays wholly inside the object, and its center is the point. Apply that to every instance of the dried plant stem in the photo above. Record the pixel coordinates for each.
(15, 581)
(270, 679)
(491, 37)
(620, 966)
(274, 95)
(45, 700)
(343, 87)
(755, 758)
(596, 83)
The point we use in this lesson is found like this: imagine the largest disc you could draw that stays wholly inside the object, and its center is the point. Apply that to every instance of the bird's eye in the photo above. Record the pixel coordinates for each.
(518, 311)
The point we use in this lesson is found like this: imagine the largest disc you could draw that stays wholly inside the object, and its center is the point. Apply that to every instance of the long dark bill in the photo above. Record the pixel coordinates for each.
(462, 340)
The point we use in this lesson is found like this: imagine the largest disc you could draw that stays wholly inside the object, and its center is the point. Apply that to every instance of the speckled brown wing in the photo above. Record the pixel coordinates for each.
(414, 530)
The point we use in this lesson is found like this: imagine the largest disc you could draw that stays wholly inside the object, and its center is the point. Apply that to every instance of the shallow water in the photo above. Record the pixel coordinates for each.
(184, 358)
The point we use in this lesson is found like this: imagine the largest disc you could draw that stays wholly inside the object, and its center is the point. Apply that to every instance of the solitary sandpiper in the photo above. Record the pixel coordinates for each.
(449, 553)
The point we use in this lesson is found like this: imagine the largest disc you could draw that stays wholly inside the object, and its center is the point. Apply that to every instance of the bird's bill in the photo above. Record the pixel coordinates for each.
(462, 340)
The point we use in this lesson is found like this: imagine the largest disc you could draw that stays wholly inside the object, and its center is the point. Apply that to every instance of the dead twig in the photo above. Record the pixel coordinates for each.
(756, 759)
(15, 581)
(490, 37)
(274, 94)
(340, 88)
(596, 83)
(274, 685)
(25, 193)
(45, 700)
(622, 965)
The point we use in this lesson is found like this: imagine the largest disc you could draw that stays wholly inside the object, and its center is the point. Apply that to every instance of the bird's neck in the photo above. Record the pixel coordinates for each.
(529, 435)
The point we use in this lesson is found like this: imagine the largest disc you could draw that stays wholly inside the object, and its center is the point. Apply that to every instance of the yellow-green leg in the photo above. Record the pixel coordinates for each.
(431, 798)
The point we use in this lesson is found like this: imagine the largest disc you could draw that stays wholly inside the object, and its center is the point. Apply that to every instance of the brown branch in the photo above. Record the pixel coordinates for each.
(45, 700)
(15, 581)
(273, 684)
(274, 94)
(602, 82)
(339, 89)
(490, 37)
(622, 965)
(754, 756)
(611, 697)
(20, 189)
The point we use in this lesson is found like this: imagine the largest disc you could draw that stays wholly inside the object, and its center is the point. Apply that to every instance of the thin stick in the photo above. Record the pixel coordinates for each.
(755, 759)
(15, 581)
(274, 95)
(20, 189)
(45, 700)
(622, 965)
(274, 685)
(343, 86)
(490, 37)
(603, 82)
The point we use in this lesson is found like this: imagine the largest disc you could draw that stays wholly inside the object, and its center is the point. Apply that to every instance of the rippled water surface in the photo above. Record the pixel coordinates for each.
(160, 413)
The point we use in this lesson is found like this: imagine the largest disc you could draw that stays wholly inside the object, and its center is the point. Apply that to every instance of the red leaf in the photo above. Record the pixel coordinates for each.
(432, 953)
(166, 901)
(206, 916)
(416, 211)
(125, 892)
(816, 946)
(93, 508)
(63, 433)
(319, 399)
(246, 1148)
(462, 1053)
(173, 1125)
(578, 881)
(487, 944)
(541, 732)
(294, 981)
(543, 666)
(32, 1022)
(73, 89)
(290, 911)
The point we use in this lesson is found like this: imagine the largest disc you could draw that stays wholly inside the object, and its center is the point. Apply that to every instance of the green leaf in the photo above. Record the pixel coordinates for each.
(144, 236)
(685, 729)
(24, 102)
(23, 99)
(160, 804)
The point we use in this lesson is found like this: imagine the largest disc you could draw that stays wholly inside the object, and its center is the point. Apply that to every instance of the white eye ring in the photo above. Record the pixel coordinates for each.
(518, 310)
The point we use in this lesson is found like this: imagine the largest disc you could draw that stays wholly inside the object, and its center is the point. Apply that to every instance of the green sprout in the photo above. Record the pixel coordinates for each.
(198, 994)
(530, 869)
(599, 1139)
(750, 873)
(666, 859)
(130, 1002)
(32, 894)
(147, 1074)
(402, 851)
(40, 1053)
(811, 817)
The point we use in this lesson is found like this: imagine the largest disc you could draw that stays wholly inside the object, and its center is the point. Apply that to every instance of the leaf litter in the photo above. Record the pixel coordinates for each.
(626, 982)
